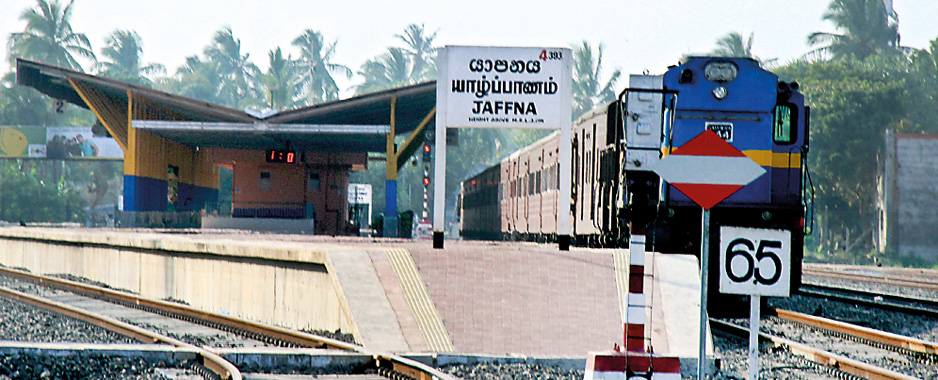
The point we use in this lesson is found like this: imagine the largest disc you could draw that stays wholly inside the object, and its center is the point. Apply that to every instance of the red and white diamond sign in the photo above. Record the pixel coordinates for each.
(708, 169)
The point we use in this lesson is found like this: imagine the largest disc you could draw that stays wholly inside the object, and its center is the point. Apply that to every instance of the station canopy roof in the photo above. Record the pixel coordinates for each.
(357, 124)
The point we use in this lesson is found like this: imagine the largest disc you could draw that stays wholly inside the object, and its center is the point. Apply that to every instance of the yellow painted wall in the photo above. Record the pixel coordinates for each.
(150, 155)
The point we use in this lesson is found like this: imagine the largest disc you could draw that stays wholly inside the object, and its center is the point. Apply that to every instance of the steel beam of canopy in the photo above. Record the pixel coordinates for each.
(204, 126)
(390, 190)
(105, 109)
(415, 140)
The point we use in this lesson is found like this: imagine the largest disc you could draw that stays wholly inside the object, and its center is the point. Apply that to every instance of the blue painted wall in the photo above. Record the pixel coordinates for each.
(149, 194)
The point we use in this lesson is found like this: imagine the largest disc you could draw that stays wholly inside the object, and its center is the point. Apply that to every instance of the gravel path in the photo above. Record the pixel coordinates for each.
(105, 368)
(26, 324)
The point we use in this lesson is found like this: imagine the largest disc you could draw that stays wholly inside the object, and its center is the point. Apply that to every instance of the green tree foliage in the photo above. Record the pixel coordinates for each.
(48, 36)
(389, 70)
(197, 78)
(853, 103)
(282, 82)
(867, 28)
(28, 194)
(398, 67)
(223, 75)
(925, 64)
(21, 105)
(238, 73)
(315, 63)
(419, 49)
(123, 59)
(734, 45)
(588, 88)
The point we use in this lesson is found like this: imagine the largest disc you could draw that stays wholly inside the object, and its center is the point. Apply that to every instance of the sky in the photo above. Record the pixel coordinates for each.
(638, 35)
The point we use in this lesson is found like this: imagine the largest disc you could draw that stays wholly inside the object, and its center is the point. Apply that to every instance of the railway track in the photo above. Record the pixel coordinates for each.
(901, 277)
(891, 302)
(871, 320)
(388, 365)
(906, 357)
(208, 362)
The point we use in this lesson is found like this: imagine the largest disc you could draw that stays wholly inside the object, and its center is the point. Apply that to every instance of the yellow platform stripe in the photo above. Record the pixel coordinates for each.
(620, 260)
(765, 158)
(415, 291)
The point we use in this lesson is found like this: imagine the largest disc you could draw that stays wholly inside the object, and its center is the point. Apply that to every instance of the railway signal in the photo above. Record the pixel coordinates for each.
(707, 169)
(426, 153)
(426, 188)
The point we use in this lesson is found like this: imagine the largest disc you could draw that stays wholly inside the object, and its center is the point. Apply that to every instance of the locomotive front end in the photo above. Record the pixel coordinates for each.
(763, 118)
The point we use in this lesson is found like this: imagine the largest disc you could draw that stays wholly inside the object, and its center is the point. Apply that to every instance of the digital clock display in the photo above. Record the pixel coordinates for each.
(281, 156)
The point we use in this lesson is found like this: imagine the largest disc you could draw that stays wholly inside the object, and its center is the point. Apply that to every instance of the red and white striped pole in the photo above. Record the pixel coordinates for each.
(636, 361)
(635, 334)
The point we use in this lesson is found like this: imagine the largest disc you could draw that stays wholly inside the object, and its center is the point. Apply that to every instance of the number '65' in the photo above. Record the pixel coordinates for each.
(743, 247)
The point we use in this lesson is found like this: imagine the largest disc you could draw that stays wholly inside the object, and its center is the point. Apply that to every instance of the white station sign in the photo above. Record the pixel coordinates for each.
(359, 193)
(755, 261)
(506, 87)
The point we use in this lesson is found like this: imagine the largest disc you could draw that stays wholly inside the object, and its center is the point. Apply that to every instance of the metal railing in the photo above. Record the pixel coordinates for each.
(240, 209)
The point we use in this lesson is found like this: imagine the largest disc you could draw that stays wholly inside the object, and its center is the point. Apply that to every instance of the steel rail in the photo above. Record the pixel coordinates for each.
(912, 272)
(863, 333)
(388, 361)
(834, 362)
(907, 305)
(221, 367)
(876, 279)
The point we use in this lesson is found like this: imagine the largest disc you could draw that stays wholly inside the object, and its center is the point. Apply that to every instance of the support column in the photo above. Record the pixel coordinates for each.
(391, 220)
(439, 156)
(636, 335)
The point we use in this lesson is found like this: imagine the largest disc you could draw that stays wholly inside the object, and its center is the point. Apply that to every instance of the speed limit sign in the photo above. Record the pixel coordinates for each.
(755, 261)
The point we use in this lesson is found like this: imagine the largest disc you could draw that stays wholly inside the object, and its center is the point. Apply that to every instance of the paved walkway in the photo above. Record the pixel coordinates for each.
(367, 300)
(522, 298)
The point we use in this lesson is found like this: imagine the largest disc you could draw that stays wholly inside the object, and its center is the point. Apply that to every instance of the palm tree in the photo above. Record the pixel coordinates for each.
(419, 49)
(588, 90)
(868, 28)
(123, 51)
(237, 70)
(316, 63)
(200, 79)
(733, 45)
(389, 70)
(282, 81)
(48, 36)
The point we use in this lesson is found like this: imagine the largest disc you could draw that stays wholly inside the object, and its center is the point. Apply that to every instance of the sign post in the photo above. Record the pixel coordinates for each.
(704, 287)
(504, 87)
(757, 262)
(707, 169)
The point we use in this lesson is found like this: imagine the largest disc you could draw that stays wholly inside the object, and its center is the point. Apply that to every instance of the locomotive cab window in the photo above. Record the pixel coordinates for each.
(784, 124)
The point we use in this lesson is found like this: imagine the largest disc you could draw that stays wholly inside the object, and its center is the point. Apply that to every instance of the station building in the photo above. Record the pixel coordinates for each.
(290, 169)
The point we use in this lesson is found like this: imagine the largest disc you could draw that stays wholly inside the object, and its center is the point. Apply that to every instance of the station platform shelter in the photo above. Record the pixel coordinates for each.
(288, 167)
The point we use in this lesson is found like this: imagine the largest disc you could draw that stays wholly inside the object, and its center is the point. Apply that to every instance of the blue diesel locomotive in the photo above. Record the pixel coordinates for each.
(615, 195)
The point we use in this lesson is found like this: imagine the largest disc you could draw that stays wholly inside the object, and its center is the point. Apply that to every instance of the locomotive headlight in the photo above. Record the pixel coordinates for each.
(766, 215)
(720, 92)
(720, 71)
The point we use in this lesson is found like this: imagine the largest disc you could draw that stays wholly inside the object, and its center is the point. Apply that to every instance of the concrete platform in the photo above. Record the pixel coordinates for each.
(498, 299)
